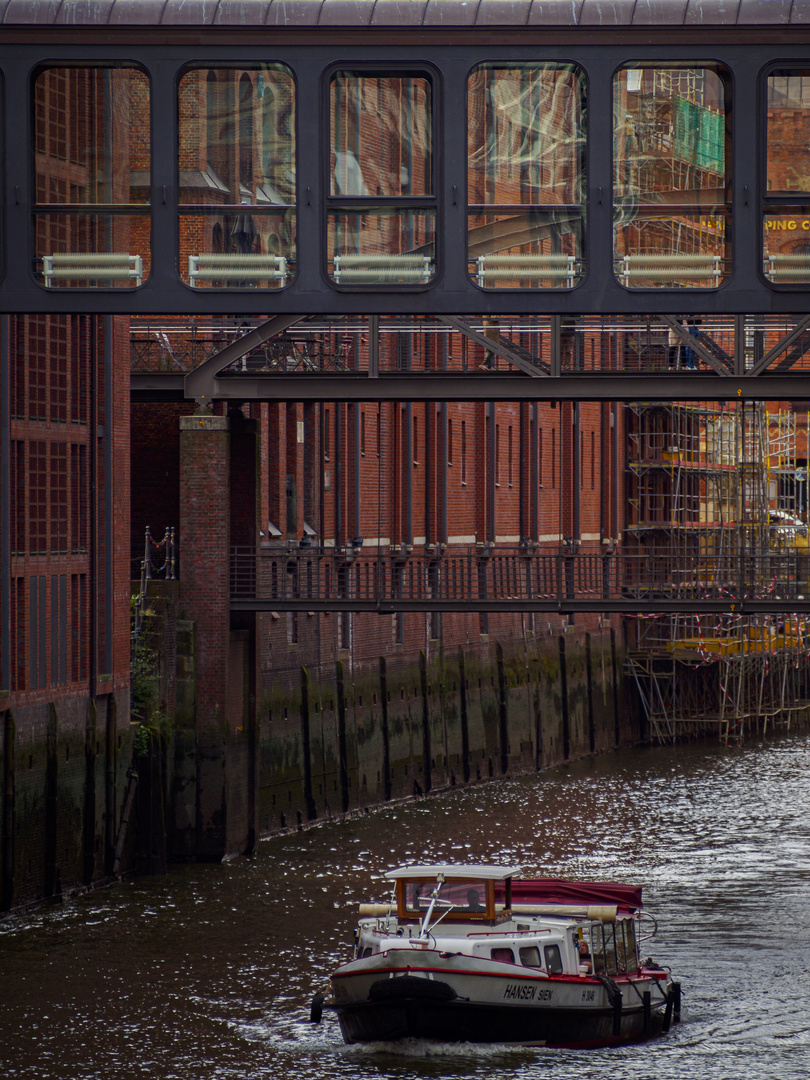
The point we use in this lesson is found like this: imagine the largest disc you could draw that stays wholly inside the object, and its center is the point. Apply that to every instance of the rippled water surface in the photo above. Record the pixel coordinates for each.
(209, 971)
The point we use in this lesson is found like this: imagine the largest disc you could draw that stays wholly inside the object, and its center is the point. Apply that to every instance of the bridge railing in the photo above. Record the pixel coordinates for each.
(483, 575)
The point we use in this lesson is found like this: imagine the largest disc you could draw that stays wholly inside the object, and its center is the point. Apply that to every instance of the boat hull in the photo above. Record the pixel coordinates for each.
(458, 1021)
(451, 1007)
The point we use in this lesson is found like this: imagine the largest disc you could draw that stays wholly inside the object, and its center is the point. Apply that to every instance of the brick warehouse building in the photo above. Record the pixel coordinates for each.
(410, 477)
(87, 471)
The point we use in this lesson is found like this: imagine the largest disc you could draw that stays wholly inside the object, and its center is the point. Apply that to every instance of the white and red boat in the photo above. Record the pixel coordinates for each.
(475, 954)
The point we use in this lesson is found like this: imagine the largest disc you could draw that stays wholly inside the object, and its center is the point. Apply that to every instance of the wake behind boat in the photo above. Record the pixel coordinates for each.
(474, 954)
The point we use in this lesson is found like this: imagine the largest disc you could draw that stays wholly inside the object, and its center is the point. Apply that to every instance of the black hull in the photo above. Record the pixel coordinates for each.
(462, 1021)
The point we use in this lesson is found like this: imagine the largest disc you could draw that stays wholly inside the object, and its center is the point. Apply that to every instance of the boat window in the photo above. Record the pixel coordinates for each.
(530, 956)
(553, 959)
(462, 897)
(504, 956)
(366, 952)
(603, 948)
(626, 946)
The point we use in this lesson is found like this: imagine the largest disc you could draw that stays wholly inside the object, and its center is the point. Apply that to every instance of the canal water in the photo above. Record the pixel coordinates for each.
(208, 973)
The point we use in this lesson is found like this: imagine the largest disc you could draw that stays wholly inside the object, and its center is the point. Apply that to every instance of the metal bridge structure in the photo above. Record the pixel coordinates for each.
(581, 279)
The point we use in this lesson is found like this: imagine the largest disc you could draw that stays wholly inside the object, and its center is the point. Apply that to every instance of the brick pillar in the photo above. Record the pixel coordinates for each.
(205, 597)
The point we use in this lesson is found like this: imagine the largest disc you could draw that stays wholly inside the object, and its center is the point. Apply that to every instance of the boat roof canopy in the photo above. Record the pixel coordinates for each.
(467, 871)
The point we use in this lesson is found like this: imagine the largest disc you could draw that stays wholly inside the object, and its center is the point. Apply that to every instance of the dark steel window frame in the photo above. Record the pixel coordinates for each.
(766, 203)
(246, 64)
(164, 293)
(517, 64)
(726, 75)
(372, 203)
(143, 210)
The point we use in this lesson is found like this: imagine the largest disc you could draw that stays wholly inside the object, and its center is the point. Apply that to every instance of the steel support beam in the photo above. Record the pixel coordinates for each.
(392, 605)
(491, 344)
(200, 384)
(781, 346)
(475, 386)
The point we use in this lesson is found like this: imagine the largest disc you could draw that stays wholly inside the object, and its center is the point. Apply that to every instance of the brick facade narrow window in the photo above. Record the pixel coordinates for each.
(464, 451)
(79, 645)
(58, 357)
(18, 634)
(37, 497)
(59, 498)
(593, 461)
(18, 497)
(78, 498)
(59, 632)
(37, 622)
(19, 370)
(540, 458)
(37, 370)
(79, 366)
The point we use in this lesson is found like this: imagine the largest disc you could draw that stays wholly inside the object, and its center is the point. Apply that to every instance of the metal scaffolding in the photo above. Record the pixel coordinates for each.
(713, 490)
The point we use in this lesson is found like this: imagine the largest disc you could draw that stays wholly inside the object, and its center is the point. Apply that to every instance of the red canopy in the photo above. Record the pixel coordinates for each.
(559, 891)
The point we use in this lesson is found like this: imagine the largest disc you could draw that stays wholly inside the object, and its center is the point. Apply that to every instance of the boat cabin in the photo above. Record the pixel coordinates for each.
(458, 893)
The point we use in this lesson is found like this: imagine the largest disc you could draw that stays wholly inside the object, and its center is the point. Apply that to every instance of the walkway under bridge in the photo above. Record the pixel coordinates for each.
(483, 578)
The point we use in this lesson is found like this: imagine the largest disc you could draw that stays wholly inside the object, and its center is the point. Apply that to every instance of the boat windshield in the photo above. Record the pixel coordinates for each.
(467, 897)
(614, 948)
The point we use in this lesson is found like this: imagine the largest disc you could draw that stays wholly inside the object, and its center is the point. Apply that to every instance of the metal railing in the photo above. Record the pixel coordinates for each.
(152, 567)
(485, 578)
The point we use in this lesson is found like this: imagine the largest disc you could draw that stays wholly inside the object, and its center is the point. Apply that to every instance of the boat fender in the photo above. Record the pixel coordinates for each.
(615, 998)
(676, 991)
(376, 910)
(316, 1008)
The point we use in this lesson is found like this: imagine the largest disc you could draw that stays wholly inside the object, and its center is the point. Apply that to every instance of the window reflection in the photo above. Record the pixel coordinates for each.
(526, 178)
(671, 197)
(786, 220)
(381, 218)
(237, 177)
(92, 177)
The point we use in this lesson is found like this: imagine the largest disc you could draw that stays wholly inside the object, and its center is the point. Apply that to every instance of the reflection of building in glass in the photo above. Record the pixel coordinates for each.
(526, 180)
(671, 194)
(92, 161)
(237, 177)
(381, 214)
(786, 226)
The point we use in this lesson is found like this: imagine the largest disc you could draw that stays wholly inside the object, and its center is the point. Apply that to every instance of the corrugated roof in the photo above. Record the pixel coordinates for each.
(427, 13)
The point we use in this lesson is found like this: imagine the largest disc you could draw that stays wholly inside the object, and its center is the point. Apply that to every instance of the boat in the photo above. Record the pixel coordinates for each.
(474, 953)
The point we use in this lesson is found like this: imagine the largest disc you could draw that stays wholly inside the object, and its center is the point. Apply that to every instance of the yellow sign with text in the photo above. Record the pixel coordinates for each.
(788, 225)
